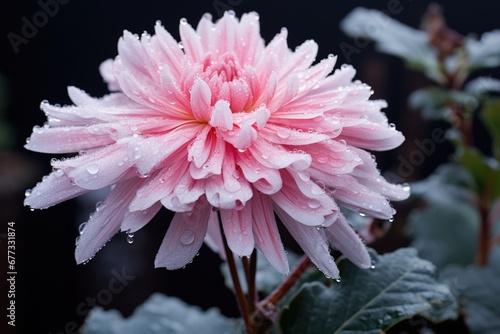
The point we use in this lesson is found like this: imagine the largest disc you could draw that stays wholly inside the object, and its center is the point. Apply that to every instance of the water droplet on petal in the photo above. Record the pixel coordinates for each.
(77, 240)
(314, 203)
(187, 237)
(183, 21)
(81, 227)
(99, 206)
(338, 280)
(158, 22)
(92, 168)
(27, 193)
(392, 126)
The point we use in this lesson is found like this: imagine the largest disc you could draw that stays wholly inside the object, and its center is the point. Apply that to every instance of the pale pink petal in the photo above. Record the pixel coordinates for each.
(99, 169)
(200, 100)
(106, 70)
(184, 237)
(237, 226)
(312, 241)
(342, 237)
(311, 211)
(54, 189)
(213, 239)
(105, 222)
(369, 176)
(65, 139)
(266, 234)
(159, 185)
(222, 116)
(191, 42)
(372, 136)
(134, 221)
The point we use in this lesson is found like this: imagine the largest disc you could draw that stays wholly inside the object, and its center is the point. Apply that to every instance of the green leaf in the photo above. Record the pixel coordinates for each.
(479, 290)
(482, 86)
(444, 230)
(394, 38)
(484, 52)
(485, 171)
(369, 300)
(160, 314)
(491, 118)
(434, 102)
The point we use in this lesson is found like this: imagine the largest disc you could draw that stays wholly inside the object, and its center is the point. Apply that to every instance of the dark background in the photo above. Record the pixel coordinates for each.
(67, 50)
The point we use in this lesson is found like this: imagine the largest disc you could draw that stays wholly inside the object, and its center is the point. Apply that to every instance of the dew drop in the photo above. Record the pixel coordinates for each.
(99, 206)
(130, 237)
(92, 168)
(320, 189)
(183, 21)
(392, 126)
(81, 227)
(181, 45)
(158, 22)
(338, 280)
(207, 16)
(362, 214)
(390, 220)
(406, 186)
(241, 150)
(77, 240)
(372, 266)
(28, 140)
(258, 171)
(313, 203)
(187, 237)
(27, 193)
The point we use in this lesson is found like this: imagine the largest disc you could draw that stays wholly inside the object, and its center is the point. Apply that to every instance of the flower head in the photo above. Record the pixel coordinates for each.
(222, 121)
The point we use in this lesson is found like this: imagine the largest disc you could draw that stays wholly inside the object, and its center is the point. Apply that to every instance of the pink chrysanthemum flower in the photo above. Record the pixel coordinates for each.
(220, 120)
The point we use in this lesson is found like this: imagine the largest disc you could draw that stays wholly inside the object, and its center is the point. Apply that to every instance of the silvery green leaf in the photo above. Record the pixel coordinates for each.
(160, 314)
(394, 38)
(484, 52)
(478, 289)
(482, 86)
(369, 300)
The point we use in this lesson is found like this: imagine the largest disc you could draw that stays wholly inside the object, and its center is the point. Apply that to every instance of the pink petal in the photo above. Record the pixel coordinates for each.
(106, 221)
(200, 100)
(220, 197)
(213, 239)
(311, 211)
(106, 70)
(184, 237)
(55, 188)
(237, 226)
(312, 241)
(168, 50)
(266, 234)
(134, 221)
(267, 180)
(222, 116)
(191, 42)
(369, 176)
(159, 185)
(99, 169)
(342, 236)
(372, 136)
(65, 139)
(148, 153)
